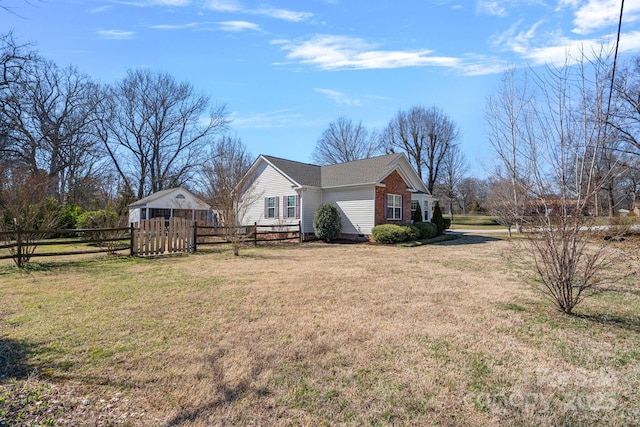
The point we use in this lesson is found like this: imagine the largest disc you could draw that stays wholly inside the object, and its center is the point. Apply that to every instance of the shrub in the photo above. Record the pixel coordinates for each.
(447, 223)
(426, 230)
(411, 232)
(327, 223)
(437, 218)
(417, 214)
(103, 218)
(390, 233)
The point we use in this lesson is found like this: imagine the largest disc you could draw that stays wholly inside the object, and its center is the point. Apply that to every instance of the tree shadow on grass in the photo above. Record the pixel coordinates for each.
(631, 324)
(468, 239)
(226, 393)
(15, 359)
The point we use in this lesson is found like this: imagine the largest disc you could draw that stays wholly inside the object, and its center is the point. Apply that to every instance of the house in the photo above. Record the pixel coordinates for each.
(368, 192)
(174, 202)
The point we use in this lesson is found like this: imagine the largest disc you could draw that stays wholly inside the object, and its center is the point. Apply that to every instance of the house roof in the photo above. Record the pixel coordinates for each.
(369, 171)
(158, 195)
(365, 171)
(304, 174)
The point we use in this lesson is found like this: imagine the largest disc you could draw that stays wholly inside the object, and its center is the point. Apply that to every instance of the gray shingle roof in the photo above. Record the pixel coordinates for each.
(303, 173)
(365, 171)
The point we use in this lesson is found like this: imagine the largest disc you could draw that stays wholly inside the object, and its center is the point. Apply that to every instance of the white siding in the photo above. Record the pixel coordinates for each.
(268, 183)
(356, 206)
(134, 215)
(311, 201)
(426, 204)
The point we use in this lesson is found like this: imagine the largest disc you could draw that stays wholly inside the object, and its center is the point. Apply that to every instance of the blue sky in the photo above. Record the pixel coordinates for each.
(286, 69)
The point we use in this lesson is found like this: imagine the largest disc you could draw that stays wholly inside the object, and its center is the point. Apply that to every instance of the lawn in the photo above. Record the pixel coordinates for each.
(313, 334)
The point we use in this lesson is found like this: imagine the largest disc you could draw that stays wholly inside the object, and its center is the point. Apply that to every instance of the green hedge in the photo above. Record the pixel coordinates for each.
(390, 233)
(426, 230)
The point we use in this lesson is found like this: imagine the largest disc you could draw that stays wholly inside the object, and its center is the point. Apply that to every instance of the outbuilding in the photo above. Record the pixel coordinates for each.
(173, 203)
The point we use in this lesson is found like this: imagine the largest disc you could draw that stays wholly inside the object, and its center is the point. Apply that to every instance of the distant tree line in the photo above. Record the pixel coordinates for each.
(71, 142)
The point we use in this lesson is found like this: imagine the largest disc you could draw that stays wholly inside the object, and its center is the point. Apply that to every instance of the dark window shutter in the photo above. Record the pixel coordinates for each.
(277, 207)
(386, 214)
(266, 207)
(285, 211)
(298, 206)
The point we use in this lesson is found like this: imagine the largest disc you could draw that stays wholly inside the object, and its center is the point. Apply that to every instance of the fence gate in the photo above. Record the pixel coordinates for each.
(154, 236)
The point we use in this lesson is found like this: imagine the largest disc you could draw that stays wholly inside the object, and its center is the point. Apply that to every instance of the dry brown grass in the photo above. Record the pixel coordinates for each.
(316, 335)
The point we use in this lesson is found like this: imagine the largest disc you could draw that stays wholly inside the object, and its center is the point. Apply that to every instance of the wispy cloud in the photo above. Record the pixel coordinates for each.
(339, 97)
(116, 34)
(515, 39)
(284, 14)
(491, 8)
(188, 26)
(329, 52)
(223, 5)
(272, 119)
(233, 6)
(237, 26)
(146, 3)
(597, 14)
(100, 9)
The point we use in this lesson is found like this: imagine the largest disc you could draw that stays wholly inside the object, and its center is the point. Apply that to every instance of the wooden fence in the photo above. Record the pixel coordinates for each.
(21, 244)
(248, 234)
(156, 236)
(150, 237)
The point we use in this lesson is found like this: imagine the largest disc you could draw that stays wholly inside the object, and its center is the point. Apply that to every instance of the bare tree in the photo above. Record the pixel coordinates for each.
(24, 211)
(49, 113)
(345, 141)
(155, 130)
(561, 140)
(225, 178)
(473, 193)
(6, 6)
(500, 202)
(625, 116)
(509, 113)
(14, 58)
(424, 135)
(454, 170)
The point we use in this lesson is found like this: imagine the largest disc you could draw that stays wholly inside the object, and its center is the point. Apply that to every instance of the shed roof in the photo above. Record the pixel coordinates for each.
(158, 196)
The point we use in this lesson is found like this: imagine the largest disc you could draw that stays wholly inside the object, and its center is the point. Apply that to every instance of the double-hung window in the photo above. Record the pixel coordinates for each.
(394, 206)
(415, 205)
(290, 207)
(270, 207)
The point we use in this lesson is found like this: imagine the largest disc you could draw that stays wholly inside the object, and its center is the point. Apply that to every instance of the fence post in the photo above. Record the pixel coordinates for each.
(19, 243)
(132, 231)
(255, 234)
(194, 246)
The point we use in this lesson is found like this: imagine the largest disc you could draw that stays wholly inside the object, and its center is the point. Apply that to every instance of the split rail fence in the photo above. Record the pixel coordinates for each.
(149, 237)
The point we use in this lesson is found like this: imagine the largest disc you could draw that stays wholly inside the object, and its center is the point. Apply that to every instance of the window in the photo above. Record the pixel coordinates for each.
(415, 205)
(290, 207)
(271, 207)
(394, 206)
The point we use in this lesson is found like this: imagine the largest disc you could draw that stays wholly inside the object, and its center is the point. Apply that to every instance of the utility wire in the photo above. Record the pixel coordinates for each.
(615, 61)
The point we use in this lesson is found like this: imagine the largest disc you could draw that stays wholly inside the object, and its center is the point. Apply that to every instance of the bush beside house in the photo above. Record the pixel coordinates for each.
(392, 233)
(327, 223)
(437, 219)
